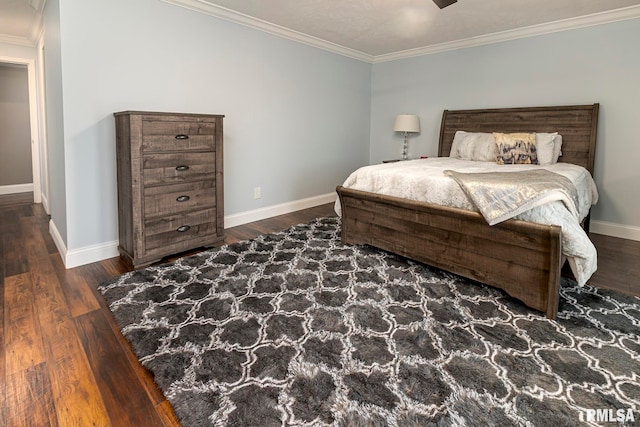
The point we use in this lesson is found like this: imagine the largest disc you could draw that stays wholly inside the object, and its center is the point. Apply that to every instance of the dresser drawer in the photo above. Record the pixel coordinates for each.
(162, 135)
(170, 199)
(172, 229)
(178, 167)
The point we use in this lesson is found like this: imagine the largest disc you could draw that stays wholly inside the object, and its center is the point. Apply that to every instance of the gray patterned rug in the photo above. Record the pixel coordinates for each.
(294, 328)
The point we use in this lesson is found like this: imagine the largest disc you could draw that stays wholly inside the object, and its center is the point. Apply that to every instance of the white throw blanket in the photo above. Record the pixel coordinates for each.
(500, 196)
(424, 180)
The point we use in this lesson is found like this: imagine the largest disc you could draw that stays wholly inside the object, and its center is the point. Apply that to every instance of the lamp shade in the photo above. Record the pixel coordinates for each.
(407, 123)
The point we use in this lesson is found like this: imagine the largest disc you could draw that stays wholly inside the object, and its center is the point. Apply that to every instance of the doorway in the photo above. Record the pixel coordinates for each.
(23, 146)
(16, 174)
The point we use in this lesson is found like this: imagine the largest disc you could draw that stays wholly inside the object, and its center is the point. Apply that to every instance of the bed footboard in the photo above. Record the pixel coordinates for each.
(524, 259)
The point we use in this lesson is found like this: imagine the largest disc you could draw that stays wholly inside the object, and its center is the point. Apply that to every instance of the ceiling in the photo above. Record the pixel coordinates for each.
(379, 27)
(374, 29)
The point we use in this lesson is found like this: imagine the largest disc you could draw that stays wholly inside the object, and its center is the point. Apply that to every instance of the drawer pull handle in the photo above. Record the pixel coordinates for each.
(182, 198)
(182, 168)
(182, 136)
(183, 228)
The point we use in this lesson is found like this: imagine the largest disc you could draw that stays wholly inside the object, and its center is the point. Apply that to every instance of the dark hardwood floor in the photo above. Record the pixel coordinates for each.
(63, 361)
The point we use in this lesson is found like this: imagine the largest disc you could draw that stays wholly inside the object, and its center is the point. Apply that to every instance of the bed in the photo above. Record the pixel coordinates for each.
(521, 257)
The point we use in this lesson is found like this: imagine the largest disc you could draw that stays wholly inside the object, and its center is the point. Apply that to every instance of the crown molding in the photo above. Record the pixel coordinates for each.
(36, 29)
(632, 12)
(32, 40)
(267, 27)
(23, 41)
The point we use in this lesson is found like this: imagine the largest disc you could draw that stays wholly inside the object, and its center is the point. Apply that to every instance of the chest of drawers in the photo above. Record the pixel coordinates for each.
(170, 184)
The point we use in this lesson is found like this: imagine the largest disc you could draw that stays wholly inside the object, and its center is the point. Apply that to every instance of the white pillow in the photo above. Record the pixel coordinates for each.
(476, 146)
(557, 149)
(548, 146)
(545, 147)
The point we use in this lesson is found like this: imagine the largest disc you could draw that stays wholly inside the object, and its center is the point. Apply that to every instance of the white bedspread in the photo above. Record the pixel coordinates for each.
(424, 180)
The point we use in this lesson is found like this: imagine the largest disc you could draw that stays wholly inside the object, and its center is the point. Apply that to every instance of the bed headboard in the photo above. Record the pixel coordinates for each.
(576, 123)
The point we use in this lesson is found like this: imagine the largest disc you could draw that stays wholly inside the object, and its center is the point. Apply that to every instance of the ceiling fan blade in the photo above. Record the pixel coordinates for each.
(444, 3)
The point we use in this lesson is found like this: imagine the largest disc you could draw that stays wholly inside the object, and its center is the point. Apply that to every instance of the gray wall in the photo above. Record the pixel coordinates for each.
(596, 64)
(15, 133)
(297, 118)
(54, 116)
(300, 119)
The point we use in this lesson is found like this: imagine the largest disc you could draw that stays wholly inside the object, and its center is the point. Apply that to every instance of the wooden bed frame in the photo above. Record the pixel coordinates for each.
(522, 258)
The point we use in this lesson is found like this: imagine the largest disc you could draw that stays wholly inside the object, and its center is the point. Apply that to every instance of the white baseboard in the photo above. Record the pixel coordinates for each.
(275, 210)
(17, 188)
(95, 253)
(57, 239)
(45, 203)
(88, 254)
(615, 230)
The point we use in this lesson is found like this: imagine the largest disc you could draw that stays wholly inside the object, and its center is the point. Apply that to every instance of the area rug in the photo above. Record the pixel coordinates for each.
(295, 328)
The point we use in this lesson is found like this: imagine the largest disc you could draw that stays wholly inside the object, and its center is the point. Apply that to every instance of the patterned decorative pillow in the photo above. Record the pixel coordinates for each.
(516, 148)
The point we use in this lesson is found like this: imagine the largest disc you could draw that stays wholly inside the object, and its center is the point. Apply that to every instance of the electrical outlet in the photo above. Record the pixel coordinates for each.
(257, 193)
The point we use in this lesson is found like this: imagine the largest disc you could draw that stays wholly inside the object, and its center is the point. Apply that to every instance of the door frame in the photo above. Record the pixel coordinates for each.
(33, 121)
